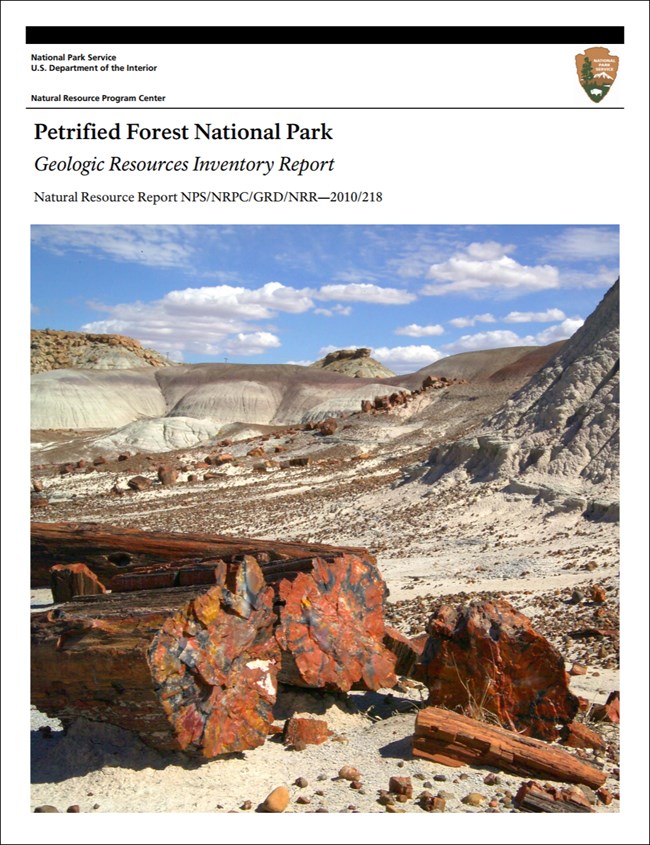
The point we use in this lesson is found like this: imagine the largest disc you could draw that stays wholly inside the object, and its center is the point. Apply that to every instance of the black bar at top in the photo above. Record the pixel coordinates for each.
(586, 36)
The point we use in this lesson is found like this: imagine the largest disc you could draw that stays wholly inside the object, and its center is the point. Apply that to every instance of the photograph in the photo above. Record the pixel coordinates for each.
(325, 518)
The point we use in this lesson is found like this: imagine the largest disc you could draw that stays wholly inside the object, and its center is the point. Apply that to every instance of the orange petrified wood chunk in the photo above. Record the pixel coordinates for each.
(486, 656)
(73, 579)
(188, 668)
(332, 625)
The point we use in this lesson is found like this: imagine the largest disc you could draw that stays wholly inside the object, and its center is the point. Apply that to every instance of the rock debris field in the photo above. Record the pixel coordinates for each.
(467, 493)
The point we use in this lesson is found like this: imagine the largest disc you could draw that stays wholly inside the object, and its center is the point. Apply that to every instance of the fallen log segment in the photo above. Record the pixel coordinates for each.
(330, 615)
(534, 798)
(108, 550)
(73, 579)
(189, 668)
(454, 740)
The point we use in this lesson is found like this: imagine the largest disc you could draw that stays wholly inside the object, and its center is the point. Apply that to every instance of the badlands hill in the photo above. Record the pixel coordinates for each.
(154, 408)
(56, 350)
(558, 436)
(508, 363)
(353, 362)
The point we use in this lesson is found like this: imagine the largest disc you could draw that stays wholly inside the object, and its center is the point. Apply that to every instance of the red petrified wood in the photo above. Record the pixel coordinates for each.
(110, 550)
(332, 623)
(330, 614)
(454, 740)
(189, 668)
(73, 579)
(299, 732)
(534, 798)
(487, 656)
(407, 650)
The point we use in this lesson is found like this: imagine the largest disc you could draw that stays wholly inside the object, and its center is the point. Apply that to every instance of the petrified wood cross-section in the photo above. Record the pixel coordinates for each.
(188, 668)
(330, 615)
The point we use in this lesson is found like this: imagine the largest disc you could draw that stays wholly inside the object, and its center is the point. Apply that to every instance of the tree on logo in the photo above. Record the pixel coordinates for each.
(587, 71)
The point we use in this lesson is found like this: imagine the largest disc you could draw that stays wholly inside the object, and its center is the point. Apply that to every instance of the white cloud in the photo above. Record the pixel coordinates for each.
(227, 301)
(489, 250)
(465, 322)
(365, 293)
(253, 343)
(602, 277)
(485, 340)
(500, 338)
(560, 332)
(154, 246)
(548, 316)
(588, 242)
(299, 363)
(341, 310)
(406, 359)
(485, 268)
(414, 330)
(212, 320)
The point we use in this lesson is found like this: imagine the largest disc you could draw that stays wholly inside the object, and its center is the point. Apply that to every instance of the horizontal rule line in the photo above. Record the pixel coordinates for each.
(495, 35)
(323, 108)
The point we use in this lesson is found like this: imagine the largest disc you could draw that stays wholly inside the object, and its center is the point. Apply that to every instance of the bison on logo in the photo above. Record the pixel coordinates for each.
(596, 72)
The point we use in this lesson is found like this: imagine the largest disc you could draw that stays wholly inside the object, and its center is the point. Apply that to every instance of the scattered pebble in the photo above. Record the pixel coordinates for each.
(276, 801)
(349, 773)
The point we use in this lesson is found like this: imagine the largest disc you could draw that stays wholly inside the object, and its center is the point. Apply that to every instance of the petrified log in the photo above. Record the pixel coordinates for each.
(454, 740)
(73, 579)
(108, 550)
(330, 615)
(407, 651)
(332, 625)
(191, 668)
(534, 798)
(486, 656)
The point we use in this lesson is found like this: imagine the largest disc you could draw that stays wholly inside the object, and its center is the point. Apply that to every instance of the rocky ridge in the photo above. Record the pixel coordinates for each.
(558, 436)
(52, 349)
(353, 362)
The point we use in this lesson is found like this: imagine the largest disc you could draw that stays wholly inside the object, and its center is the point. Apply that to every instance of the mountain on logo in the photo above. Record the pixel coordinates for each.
(597, 70)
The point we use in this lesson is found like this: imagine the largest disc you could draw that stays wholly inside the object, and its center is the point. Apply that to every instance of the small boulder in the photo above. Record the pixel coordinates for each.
(349, 773)
(598, 594)
(299, 732)
(577, 735)
(473, 799)
(401, 786)
(327, 427)
(276, 801)
(139, 483)
(167, 476)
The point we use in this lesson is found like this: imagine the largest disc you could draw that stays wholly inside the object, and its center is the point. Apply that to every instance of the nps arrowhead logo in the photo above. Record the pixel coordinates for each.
(596, 72)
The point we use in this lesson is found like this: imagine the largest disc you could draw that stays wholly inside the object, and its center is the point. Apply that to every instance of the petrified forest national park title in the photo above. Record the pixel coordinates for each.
(200, 131)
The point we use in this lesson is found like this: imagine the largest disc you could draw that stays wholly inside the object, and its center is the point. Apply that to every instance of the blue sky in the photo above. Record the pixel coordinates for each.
(280, 294)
